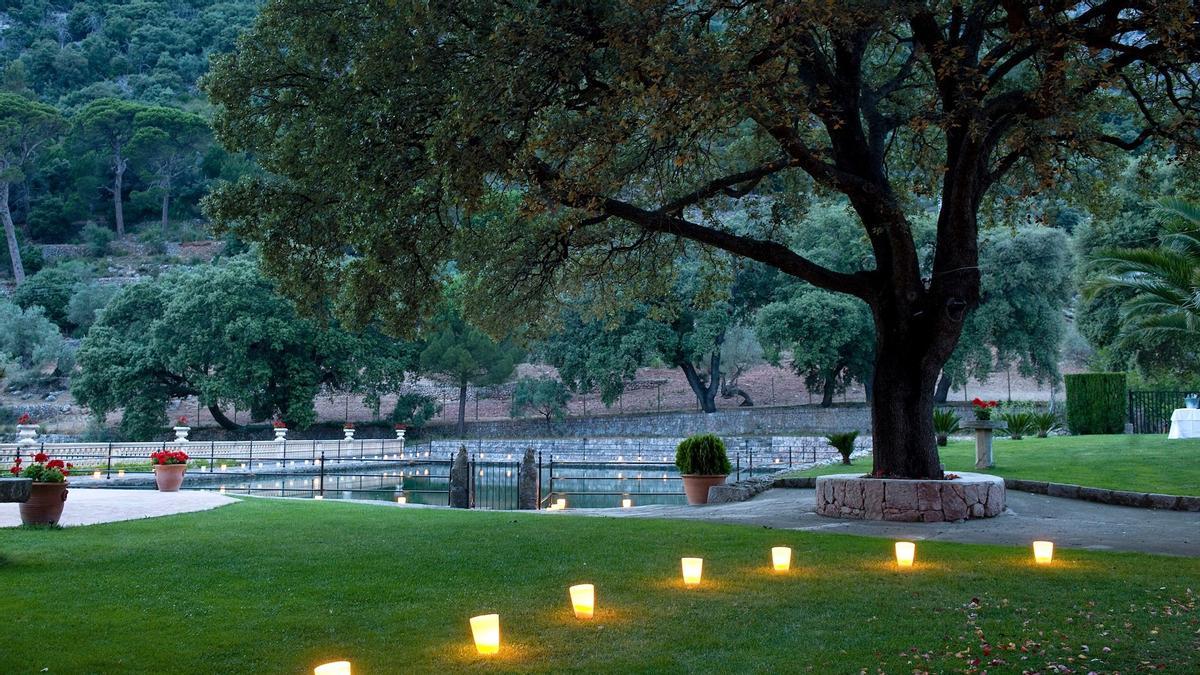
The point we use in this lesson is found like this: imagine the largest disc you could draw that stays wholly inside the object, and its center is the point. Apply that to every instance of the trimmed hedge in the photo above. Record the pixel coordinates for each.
(1096, 403)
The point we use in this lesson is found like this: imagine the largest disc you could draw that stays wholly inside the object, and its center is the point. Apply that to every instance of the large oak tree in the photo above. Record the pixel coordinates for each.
(628, 126)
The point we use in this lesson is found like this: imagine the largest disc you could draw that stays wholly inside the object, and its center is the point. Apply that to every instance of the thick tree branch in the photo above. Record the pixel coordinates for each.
(769, 252)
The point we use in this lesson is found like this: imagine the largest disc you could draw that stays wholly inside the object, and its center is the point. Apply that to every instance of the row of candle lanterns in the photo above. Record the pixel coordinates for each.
(485, 629)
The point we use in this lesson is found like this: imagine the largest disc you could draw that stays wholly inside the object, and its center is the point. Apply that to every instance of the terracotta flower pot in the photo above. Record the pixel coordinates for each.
(45, 505)
(695, 486)
(169, 476)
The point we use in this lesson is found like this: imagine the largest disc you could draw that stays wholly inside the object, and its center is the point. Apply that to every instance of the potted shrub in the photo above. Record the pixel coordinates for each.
(348, 430)
(169, 467)
(48, 492)
(280, 428)
(945, 422)
(843, 443)
(703, 463)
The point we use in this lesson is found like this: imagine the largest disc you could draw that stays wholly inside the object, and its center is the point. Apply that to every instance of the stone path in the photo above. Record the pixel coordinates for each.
(93, 506)
(1069, 523)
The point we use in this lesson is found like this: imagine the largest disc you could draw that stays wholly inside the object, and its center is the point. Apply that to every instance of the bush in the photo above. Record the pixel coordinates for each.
(1019, 424)
(702, 455)
(843, 443)
(51, 289)
(1045, 423)
(415, 410)
(98, 239)
(945, 422)
(87, 302)
(1096, 403)
(33, 344)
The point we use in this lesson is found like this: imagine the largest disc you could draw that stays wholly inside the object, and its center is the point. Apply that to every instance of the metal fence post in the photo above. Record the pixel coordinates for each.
(212, 455)
(538, 489)
(321, 473)
(108, 472)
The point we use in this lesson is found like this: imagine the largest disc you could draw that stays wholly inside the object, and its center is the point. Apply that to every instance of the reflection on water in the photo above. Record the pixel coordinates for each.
(583, 485)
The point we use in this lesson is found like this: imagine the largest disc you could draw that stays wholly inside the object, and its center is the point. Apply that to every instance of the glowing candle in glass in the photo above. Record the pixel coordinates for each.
(583, 600)
(333, 668)
(486, 631)
(906, 551)
(693, 569)
(781, 558)
(626, 503)
(1043, 552)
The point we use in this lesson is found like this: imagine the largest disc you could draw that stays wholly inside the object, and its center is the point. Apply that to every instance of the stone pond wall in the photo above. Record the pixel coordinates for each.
(738, 422)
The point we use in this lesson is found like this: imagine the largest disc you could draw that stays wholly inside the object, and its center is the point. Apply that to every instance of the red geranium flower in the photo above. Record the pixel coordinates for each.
(24, 419)
(55, 464)
(41, 457)
(279, 424)
(15, 470)
(17, 461)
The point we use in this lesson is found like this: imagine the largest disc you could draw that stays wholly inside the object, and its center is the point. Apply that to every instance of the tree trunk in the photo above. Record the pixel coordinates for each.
(10, 234)
(902, 411)
(705, 391)
(220, 418)
(462, 409)
(166, 207)
(118, 184)
(942, 392)
(828, 389)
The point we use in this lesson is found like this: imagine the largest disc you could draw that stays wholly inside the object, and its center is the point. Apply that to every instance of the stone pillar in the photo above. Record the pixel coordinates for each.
(349, 431)
(460, 476)
(984, 433)
(527, 482)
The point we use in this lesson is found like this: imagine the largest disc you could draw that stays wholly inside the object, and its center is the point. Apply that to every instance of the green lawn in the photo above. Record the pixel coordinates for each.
(277, 587)
(1136, 462)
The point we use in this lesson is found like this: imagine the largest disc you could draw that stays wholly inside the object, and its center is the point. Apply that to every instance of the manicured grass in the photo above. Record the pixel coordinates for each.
(277, 587)
(1136, 462)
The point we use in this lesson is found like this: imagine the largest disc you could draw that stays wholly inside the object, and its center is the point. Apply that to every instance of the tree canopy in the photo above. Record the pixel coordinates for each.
(464, 355)
(628, 127)
(224, 334)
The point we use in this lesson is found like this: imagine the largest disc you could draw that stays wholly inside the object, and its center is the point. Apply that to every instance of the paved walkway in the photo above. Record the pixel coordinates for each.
(92, 506)
(1069, 523)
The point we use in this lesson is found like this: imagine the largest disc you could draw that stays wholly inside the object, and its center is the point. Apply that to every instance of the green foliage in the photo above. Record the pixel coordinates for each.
(1096, 403)
(1045, 423)
(702, 455)
(51, 289)
(98, 239)
(687, 328)
(545, 396)
(843, 443)
(415, 410)
(86, 303)
(1161, 282)
(945, 422)
(31, 345)
(1026, 288)
(464, 355)
(829, 336)
(224, 334)
(1019, 423)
